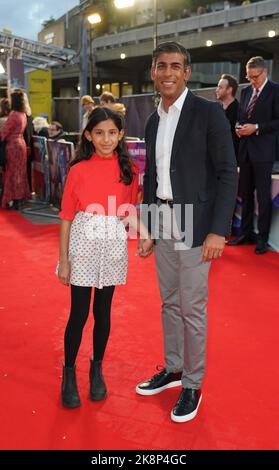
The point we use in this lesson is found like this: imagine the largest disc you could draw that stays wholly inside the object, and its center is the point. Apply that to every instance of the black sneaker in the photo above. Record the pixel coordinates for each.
(159, 382)
(187, 405)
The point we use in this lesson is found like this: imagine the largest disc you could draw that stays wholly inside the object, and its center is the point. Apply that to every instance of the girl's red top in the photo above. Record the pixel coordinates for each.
(90, 183)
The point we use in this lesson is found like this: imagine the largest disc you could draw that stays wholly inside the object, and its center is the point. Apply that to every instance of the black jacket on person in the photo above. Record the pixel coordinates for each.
(203, 168)
(231, 113)
(261, 147)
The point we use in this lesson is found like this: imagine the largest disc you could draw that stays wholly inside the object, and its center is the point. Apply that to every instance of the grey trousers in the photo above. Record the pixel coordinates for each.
(183, 282)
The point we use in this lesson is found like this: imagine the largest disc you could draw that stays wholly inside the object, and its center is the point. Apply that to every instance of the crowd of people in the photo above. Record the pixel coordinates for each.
(17, 127)
(16, 132)
(254, 125)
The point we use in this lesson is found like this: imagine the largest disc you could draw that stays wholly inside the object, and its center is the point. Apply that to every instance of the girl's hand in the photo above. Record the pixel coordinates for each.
(64, 272)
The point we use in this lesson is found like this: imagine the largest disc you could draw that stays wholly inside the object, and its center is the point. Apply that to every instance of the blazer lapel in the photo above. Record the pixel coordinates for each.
(264, 93)
(183, 123)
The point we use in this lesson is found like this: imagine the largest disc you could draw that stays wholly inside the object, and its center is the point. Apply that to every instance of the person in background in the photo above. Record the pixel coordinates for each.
(40, 126)
(16, 188)
(28, 134)
(55, 131)
(107, 99)
(225, 93)
(259, 126)
(88, 104)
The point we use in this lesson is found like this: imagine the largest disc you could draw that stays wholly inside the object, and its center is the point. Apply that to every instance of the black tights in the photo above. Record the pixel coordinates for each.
(80, 304)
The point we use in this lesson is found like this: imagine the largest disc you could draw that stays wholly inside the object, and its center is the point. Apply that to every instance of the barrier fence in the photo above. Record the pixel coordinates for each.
(50, 166)
(49, 170)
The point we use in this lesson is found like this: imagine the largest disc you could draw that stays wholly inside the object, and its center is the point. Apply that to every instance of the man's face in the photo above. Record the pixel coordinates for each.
(256, 76)
(169, 75)
(222, 89)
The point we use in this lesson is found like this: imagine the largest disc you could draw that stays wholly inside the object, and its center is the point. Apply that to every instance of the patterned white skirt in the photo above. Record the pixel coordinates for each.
(97, 251)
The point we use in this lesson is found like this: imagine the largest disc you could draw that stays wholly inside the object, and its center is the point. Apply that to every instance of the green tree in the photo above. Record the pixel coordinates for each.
(48, 22)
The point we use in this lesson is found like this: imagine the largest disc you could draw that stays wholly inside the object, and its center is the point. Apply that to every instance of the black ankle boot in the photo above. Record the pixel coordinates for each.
(70, 396)
(98, 389)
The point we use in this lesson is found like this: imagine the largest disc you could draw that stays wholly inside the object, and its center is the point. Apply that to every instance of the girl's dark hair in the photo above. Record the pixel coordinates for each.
(86, 148)
(17, 101)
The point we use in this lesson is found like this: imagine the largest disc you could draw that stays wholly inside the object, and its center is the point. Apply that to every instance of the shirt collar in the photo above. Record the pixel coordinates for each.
(178, 104)
(261, 87)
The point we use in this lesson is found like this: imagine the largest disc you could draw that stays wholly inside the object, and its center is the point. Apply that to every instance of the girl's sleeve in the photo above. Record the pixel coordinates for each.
(69, 199)
(135, 185)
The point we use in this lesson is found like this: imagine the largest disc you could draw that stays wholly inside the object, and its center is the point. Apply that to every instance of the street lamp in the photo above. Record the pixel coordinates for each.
(92, 19)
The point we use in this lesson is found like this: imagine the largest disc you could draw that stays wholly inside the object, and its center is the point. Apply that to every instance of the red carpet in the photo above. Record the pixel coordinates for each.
(239, 408)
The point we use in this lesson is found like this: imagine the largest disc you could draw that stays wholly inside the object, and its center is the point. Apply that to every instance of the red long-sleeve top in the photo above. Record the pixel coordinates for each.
(90, 182)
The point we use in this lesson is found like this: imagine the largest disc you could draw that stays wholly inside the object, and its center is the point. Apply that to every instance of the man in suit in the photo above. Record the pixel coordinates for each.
(259, 117)
(190, 163)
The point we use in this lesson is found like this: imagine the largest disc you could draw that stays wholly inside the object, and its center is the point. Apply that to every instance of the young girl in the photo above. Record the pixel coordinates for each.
(93, 242)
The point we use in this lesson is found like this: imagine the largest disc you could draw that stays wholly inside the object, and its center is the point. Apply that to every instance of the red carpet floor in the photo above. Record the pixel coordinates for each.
(240, 405)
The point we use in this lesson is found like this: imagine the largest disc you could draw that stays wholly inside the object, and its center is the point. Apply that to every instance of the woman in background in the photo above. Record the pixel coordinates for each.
(4, 113)
(16, 188)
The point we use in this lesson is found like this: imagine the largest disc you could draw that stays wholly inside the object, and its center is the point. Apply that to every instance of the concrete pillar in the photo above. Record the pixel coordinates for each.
(275, 67)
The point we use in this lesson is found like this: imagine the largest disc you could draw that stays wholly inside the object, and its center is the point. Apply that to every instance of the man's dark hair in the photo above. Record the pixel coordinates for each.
(170, 47)
(257, 62)
(232, 81)
(107, 97)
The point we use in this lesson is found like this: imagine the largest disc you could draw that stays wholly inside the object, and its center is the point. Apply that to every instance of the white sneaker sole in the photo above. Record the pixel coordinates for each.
(184, 419)
(141, 391)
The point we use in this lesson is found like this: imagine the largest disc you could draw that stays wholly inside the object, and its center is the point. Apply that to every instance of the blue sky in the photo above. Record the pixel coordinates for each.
(24, 18)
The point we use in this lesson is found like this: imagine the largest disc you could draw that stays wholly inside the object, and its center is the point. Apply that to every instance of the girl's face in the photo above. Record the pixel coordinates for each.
(105, 137)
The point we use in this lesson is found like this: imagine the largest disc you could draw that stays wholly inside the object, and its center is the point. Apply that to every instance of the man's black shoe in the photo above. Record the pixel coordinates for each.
(242, 240)
(159, 382)
(261, 247)
(186, 406)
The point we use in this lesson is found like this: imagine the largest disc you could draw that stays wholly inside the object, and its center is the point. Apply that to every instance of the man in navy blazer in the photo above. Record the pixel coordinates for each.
(259, 119)
(190, 164)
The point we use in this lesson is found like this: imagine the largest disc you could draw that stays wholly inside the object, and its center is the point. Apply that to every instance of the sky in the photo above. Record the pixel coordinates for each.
(24, 18)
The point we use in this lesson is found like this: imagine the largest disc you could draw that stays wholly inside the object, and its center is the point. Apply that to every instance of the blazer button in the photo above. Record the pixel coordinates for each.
(172, 170)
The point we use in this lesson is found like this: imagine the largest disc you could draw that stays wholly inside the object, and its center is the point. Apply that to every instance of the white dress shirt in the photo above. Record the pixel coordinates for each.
(165, 135)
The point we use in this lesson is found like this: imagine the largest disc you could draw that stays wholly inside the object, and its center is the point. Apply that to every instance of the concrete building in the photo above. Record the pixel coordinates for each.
(219, 41)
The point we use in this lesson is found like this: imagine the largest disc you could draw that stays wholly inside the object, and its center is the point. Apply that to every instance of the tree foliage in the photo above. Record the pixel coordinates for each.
(48, 22)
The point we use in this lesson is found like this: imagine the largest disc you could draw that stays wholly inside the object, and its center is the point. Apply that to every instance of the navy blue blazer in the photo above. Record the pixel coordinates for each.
(261, 147)
(203, 169)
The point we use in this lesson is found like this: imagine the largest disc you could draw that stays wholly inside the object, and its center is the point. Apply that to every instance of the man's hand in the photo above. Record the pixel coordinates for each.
(213, 247)
(64, 272)
(145, 247)
(246, 129)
